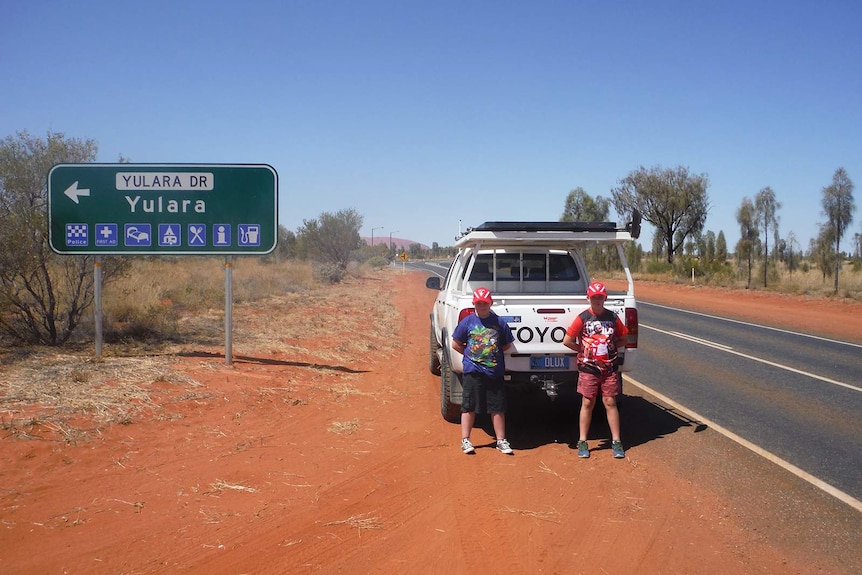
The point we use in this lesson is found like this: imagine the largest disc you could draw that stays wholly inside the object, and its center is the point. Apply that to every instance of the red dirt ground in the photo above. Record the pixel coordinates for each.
(278, 465)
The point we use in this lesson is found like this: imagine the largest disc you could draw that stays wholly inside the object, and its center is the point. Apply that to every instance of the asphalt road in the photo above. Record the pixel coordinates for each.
(797, 396)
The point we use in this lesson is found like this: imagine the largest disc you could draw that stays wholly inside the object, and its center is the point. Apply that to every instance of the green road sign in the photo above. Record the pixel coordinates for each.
(180, 209)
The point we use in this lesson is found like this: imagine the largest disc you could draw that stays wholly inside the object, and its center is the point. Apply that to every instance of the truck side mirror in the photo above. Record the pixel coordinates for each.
(433, 283)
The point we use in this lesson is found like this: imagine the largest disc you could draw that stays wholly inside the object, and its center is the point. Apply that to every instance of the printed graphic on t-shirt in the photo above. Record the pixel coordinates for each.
(482, 346)
(598, 347)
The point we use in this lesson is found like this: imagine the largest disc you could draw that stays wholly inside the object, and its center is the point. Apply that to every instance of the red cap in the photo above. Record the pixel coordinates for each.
(597, 288)
(482, 294)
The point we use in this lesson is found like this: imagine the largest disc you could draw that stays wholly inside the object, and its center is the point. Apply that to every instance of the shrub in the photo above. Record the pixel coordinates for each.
(329, 273)
(378, 262)
(658, 267)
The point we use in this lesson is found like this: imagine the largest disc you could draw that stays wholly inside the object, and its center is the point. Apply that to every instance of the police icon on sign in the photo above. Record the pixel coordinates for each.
(77, 235)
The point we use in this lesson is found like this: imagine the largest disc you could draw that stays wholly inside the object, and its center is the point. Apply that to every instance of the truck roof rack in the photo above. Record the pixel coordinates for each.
(490, 234)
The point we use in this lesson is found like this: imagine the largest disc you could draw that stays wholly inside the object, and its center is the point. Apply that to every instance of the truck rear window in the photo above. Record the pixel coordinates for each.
(533, 267)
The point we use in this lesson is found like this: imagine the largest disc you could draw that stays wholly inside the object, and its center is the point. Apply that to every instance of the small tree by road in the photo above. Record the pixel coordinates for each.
(330, 237)
(765, 207)
(838, 207)
(581, 207)
(43, 296)
(672, 200)
(749, 239)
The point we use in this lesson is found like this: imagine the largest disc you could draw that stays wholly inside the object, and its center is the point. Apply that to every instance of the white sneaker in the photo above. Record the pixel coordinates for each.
(504, 447)
(466, 446)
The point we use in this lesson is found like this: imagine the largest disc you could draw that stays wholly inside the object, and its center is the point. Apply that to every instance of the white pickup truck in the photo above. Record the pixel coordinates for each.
(538, 278)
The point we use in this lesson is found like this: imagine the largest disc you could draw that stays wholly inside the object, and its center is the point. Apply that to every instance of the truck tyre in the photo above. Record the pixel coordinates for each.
(451, 412)
(434, 360)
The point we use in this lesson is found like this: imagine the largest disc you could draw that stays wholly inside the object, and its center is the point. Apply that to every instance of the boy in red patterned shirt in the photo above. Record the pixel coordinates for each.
(596, 334)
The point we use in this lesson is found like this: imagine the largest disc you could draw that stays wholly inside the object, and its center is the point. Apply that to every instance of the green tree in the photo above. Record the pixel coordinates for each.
(416, 252)
(672, 200)
(331, 237)
(792, 249)
(838, 207)
(721, 248)
(285, 248)
(709, 246)
(820, 250)
(765, 206)
(746, 215)
(634, 256)
(581, 207)
(43, 296)
(658, 244)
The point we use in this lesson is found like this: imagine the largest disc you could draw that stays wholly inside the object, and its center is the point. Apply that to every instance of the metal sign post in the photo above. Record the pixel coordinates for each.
(97, 296)
(228, 310)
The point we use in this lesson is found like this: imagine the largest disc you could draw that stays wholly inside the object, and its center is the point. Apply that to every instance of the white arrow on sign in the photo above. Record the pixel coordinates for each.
(74, 193)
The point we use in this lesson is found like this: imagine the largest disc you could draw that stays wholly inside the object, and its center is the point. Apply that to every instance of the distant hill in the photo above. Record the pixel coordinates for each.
(399, 242)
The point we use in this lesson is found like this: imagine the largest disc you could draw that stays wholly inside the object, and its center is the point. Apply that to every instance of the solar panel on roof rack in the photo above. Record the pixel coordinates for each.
(546, 227)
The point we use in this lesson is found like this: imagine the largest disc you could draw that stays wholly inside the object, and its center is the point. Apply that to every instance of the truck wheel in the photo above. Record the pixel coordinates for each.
(434, 362)
(451, 412)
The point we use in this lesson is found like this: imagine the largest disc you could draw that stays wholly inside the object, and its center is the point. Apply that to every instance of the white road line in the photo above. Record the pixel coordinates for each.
(752, 324)
(804, 475)
(730, 350)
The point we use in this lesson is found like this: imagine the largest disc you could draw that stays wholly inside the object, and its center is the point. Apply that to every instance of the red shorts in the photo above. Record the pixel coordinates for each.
(589, 385)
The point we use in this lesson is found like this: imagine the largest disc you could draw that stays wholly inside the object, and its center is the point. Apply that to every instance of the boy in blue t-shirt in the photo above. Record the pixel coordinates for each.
(482, 338)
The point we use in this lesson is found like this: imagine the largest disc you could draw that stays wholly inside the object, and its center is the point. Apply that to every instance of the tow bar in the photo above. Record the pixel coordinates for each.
(549, 386)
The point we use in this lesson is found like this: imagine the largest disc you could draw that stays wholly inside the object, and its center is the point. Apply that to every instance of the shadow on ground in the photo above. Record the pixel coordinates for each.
(269, 361)
(534, 420)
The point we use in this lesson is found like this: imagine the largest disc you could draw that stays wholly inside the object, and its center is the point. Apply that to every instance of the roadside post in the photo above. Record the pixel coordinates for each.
(97, 302)
(163, 209)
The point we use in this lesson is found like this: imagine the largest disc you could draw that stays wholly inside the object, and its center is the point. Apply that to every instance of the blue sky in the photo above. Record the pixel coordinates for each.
(421, 114)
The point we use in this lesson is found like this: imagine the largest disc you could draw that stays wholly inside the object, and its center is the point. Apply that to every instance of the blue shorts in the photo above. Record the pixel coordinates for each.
(483, 394)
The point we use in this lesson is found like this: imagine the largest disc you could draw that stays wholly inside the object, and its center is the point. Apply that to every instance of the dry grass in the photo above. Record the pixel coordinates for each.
(810, 282)
(67, 394)
(552, 515)
(49, 389)
(220, 486)
(151, 302)
(360, 522)
(344, 427)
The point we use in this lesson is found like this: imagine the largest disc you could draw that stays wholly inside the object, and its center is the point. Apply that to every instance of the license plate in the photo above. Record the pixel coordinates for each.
(549, 362)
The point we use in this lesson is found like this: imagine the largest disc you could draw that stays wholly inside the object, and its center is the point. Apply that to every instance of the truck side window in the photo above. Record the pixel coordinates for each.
(481, 272)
